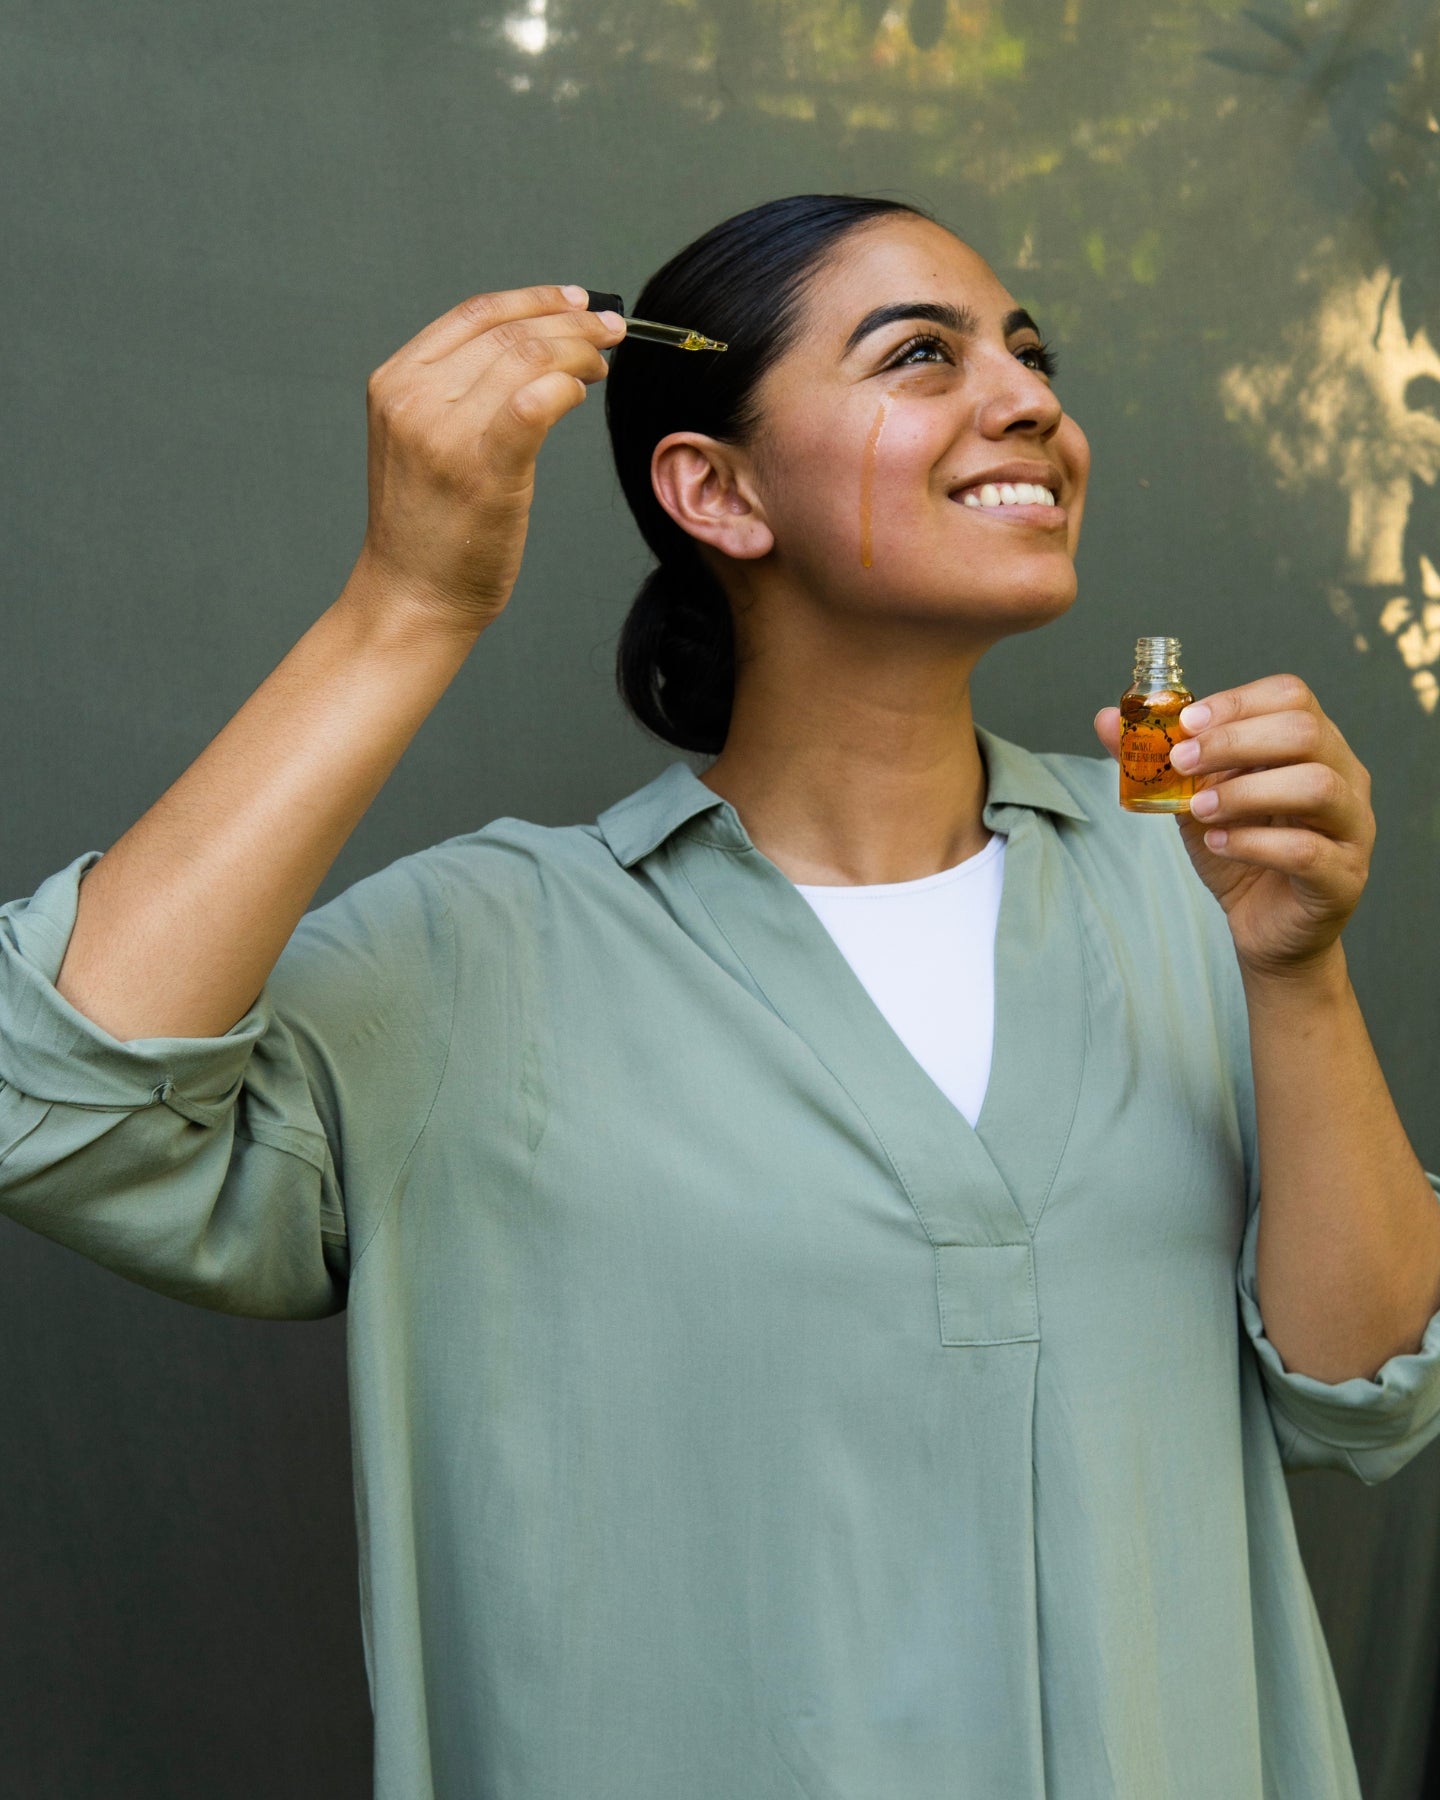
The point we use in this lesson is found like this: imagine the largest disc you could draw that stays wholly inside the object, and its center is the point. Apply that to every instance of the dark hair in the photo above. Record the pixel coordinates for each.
(744, 283)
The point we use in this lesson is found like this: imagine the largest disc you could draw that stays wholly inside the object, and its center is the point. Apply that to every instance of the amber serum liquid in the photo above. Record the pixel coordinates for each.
(1150, 727)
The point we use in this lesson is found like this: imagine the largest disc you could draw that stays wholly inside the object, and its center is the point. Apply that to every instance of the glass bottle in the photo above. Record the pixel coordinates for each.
(1150, 727)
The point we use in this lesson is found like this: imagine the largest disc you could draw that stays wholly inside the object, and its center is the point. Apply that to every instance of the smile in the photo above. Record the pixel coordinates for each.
(1008, 493)
(1017, 503)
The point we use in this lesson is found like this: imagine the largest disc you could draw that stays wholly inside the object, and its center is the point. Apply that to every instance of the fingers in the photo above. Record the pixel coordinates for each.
(1273, 754)
(1107, 729)
(484, 312)
(1287, 850)
(571, 339)
(521, 333)
(517, 428)
(520, 351)
(1272, 693)
(526, 379)
(482, 385)
(1272, 737)
(1309, 794)
(1286, 791)
(1274, 720)
(456, 421)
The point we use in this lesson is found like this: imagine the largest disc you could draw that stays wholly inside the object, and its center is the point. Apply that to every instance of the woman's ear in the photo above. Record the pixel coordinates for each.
(705, 487)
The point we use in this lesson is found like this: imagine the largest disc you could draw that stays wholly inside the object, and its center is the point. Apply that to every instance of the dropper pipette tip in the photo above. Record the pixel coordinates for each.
(680, 337)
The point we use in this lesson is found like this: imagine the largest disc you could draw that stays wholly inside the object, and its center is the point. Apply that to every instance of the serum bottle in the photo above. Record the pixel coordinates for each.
(1150, 727)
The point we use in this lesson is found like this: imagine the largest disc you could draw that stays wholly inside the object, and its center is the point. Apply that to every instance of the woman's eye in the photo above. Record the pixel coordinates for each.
(1045, 360)
(924, 342)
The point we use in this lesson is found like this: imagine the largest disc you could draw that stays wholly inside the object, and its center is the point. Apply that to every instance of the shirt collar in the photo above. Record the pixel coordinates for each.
(642, 821)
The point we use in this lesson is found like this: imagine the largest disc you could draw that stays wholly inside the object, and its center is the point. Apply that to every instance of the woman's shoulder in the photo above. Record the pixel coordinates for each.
(510, 862)
(1080, 790)
(1093, 781)
(1130, 840)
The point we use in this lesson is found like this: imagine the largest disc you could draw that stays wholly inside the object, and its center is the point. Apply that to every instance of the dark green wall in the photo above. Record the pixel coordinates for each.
(217, 220)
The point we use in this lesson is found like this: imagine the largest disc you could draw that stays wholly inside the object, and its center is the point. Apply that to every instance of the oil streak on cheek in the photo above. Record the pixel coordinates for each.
(867, 480)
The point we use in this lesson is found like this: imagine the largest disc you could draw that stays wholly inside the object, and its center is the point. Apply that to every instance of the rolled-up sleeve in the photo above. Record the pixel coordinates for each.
(231, 1172)
(1365, 1426)
(1368, 1427)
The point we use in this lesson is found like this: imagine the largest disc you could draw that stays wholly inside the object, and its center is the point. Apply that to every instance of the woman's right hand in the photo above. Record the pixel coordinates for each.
(456, 419)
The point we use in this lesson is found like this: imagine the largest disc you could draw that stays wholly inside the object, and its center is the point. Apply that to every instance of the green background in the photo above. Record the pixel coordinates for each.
(217, 221)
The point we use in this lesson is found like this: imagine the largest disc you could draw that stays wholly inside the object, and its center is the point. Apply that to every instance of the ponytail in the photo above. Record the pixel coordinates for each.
(675, 666)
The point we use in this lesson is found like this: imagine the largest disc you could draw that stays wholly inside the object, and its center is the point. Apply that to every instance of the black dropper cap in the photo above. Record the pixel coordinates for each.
(603, 302)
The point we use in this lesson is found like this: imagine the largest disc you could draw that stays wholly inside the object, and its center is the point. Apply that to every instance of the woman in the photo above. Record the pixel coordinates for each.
(765, 1384)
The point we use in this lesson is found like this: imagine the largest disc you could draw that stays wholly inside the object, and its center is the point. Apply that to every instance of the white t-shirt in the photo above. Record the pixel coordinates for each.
(925, 952)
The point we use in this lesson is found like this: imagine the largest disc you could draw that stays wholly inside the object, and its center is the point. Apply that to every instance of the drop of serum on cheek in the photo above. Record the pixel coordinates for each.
(867, 480)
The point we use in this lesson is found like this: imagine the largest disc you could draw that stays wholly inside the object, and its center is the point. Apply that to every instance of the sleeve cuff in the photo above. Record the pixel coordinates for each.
(1369, 1425)
(52, 1052)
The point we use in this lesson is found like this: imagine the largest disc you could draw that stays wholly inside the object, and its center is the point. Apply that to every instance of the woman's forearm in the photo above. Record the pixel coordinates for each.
(181, 921)
(1348, 1247)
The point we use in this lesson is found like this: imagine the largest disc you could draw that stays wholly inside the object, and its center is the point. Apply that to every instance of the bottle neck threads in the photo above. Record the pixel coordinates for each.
(1157, 662)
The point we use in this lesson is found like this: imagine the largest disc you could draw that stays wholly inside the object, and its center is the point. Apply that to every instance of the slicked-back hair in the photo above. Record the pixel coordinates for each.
(743, 282)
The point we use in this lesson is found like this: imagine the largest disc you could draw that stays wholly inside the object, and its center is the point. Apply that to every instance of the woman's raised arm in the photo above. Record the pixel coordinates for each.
(180, 923)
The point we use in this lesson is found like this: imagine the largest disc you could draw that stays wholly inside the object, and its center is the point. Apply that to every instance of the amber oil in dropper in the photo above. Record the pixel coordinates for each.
(1149, 729)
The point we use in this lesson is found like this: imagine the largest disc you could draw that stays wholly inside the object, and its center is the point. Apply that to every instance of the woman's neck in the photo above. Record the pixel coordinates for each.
(853, 776)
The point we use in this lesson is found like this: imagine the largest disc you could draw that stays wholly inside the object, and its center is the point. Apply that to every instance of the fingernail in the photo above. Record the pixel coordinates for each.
(1215, 840)
(1196, 717)
(614, 320)
(1205, 801)
(1185, 755)
(576, 295)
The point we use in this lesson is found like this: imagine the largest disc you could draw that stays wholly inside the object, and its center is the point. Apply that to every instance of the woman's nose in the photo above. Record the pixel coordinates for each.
(1020, 399)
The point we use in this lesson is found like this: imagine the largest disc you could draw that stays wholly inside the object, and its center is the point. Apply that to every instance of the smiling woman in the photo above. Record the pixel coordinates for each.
(812, 1324)
(848, 513)
(826, 408)
(840, 488)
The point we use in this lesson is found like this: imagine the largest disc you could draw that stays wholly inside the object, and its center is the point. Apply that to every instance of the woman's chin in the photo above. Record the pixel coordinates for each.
(1017, 606)
(969, 622)
(1053, 597)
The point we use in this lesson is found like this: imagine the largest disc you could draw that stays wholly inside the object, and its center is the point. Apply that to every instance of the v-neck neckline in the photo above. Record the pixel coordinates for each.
(969, 1184)
(981, 1184)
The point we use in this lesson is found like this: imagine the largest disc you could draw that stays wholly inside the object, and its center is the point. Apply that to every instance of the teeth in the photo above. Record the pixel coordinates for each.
(1009, 493)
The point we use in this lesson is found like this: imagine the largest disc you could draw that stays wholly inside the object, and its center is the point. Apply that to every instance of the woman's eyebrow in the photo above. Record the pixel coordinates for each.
(959, 319)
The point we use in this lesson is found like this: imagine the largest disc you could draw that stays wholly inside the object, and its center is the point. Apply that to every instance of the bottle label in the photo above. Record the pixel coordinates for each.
(1145, 753)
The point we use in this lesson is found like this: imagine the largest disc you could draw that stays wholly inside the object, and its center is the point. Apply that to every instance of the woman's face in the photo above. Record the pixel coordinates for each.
(873, 428)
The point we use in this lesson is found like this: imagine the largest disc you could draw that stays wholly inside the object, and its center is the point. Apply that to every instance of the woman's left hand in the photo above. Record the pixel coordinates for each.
(1285, 845)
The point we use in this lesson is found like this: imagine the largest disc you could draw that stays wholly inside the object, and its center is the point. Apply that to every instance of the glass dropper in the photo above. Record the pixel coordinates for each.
(680, 336)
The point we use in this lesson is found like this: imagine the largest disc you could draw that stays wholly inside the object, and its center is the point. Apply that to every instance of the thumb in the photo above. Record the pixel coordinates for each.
(1107, 729)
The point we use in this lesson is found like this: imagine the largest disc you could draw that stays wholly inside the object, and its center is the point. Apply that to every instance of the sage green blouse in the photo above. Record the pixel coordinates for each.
(732, 1421)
